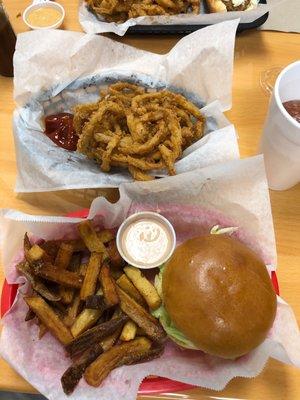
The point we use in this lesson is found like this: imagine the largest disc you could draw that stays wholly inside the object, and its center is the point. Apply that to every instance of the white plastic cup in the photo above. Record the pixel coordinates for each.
(280, 142)
(44, 3)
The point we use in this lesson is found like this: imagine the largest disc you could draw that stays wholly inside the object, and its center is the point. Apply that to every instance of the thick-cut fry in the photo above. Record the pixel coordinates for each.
(115, 258)
(154, 352)
(103, 365)
(82, 269)
(26, 246)
(77, 244)
(36, 253)
(108, 286)
(88, 287)
(90, 237)
(109, 341)
(36, 283)
(142, 284)
(105, 236)
(96, 302)
(128, 331)
(73, 309)
(131, 290)
(55, 274)
(85, 320)
(51, 248)
(95, 334)
(64, 255)
(73, 374)
(141, 317)
(49, 318)
(67, 294)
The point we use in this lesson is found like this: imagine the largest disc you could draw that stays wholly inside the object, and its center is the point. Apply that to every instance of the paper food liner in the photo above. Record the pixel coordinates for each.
(234, 193)
(48, 81)
(95, 24)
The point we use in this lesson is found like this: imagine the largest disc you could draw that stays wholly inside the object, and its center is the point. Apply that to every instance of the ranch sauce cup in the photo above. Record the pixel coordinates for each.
(146, 240)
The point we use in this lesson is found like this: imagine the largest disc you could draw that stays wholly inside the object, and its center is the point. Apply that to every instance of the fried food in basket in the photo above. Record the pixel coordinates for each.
(131, 127)
(141, 317)
(115, 357)
(146, 288)
(91, 276)
(102, 323)
(121, 10)
(49, 318)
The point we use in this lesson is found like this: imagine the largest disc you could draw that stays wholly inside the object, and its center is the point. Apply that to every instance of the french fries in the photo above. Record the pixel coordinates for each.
(64, 255)
(146, 288)
(141, 317)
(96, 302)
(73, 374)
(35, 253)
(106, 362)
(63, 277)
(128, 331)
(49, 318)
(105, 236)
(113, 254)
(51, 248)
(95, 334)
(85, 320)
(88, 287)
(128, 287)
(36, 283)
(97, 310)
(108, 286)
(90, 237)
(73, 310)
(77, 244)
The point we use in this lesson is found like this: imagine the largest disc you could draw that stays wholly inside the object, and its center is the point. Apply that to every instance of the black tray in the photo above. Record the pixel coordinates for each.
(186, 29)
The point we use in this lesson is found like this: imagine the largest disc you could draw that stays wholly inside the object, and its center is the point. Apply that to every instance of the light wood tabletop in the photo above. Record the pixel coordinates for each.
(256, 51)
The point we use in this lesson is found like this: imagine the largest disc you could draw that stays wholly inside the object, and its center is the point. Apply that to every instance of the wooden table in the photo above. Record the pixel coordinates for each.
(255, 52)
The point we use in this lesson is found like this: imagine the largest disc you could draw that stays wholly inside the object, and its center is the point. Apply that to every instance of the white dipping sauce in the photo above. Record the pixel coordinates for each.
(146, 242)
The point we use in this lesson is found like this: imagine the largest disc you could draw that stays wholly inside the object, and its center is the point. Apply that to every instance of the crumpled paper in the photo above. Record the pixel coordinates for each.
(94, 24)
(49, 81)
(234, 193)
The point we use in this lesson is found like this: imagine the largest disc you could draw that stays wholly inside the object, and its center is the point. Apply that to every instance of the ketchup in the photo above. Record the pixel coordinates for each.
(293, 108)
(59, 128)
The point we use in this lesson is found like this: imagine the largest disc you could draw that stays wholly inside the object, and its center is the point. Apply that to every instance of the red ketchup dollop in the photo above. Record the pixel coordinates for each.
(293, 108)
(59, 128)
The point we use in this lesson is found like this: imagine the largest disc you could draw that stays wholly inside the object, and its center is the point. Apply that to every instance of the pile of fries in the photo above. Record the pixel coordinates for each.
(141, 131)
(122, 10)
(97, 307)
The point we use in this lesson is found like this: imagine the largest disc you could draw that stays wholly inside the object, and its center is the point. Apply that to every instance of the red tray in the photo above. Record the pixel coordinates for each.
(149, 385)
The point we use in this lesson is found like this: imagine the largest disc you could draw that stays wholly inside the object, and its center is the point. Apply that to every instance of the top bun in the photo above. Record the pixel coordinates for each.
(219, 294)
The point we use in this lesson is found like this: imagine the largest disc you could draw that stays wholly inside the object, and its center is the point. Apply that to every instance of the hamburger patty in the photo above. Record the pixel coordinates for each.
(230, 6)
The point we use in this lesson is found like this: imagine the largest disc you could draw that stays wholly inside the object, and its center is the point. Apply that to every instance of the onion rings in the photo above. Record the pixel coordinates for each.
(138, 130)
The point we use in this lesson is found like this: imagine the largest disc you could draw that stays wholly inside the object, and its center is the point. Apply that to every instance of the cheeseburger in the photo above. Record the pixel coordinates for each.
(217, 296)
(231, 5)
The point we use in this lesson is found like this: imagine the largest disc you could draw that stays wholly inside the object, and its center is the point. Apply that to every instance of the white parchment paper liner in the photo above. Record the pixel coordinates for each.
(235, 192)
(92, 24)
(49, 81)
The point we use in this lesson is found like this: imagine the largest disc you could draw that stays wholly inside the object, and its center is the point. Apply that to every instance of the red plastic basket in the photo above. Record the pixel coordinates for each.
(149, 385)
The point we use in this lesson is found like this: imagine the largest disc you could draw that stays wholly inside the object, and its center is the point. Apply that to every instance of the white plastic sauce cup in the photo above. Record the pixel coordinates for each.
(146, 240)
(44, 3)
(280, 142)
